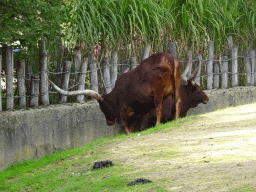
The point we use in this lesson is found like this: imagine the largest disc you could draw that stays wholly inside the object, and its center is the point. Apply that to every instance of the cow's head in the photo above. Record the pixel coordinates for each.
(107, 109)
(105, 106)
(193, 92)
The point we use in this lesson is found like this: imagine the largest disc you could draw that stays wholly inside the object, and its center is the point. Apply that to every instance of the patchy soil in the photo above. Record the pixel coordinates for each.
(211, 152)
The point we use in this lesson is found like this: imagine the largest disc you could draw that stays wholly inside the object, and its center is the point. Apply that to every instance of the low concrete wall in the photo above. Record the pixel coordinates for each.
(26, 134)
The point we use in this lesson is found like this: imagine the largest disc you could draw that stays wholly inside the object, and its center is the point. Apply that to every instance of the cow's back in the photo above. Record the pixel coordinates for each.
(155, 72)
(154, 67)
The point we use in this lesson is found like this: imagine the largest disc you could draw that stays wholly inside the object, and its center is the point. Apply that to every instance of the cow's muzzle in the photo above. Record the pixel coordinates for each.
(110, 122)
(206, 100)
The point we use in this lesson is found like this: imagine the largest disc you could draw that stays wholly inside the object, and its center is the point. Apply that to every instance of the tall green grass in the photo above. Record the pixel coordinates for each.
(126, 25)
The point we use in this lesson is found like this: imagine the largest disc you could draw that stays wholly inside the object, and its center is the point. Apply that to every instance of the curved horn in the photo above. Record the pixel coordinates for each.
(78, 92)
(191, 77)
(184, 74)
(195, 72)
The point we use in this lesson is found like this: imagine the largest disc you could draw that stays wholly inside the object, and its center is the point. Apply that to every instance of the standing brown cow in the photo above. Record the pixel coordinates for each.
(140, 90)
(190, 95)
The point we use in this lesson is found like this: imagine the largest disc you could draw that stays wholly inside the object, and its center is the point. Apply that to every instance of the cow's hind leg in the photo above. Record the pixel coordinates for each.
(158, 113)
(176, 88)
(177, 114)
(158, 99)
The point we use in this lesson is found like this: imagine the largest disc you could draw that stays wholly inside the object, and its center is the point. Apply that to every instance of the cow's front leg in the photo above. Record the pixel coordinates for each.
(126, 113)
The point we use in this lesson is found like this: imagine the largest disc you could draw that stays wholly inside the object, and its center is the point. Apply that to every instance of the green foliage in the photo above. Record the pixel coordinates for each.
(126, 25)
(113, 24)
(28, 21)
(116, 24)
(217, 18)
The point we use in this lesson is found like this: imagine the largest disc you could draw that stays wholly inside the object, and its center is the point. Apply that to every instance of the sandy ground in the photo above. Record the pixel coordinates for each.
(212, 152)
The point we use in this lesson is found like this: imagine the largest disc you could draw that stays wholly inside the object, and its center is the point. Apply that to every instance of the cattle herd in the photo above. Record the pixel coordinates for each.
(151, 92)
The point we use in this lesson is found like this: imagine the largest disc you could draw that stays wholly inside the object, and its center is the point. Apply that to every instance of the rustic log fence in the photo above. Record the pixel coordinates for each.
(33, 88)
(1, 83)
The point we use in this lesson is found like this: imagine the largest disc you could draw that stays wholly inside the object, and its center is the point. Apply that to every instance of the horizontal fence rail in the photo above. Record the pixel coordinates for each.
(33, 89)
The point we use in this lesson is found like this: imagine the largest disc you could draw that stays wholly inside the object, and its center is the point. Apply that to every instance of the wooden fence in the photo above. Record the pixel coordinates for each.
(33, 89)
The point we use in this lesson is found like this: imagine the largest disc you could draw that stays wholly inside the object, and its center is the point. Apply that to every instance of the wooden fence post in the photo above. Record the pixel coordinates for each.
(65, 79)
(124, 66)
(60, 53)
(234, 51)
(210, 66)
(189, 61)
(224, 71)
(9, 77)
(1, 83)
(106, 75)
(216, 76)
(172, 48)
(198, 75)
(58, 63)
(28, 73)
(146, 52)
(21, 83)
(44, 94)
(248, 68)
(133, 63)
(77, 62)
(34, 90)
(58, 79)
(81, 78)
(4, 47)
(113, 71)
(253, 63)
(66, 57)
(93, 73)
(230, 41)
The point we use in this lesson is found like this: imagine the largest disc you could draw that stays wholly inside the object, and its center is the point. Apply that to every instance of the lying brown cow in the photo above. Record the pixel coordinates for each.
(190, 94)
(140, 90)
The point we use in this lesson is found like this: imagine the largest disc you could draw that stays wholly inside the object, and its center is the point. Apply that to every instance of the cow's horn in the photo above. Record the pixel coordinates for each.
(191, 77)
(78, 92)
(184, 74)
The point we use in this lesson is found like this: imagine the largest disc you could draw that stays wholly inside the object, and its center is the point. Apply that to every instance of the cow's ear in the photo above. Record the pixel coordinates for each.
(191, 85)
(190, 82)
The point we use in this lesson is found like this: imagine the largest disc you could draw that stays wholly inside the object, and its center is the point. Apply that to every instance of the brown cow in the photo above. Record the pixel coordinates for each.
(190, 94)
(140, 90)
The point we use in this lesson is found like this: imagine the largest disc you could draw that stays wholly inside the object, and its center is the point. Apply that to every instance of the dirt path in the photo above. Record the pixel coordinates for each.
(213, 152)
